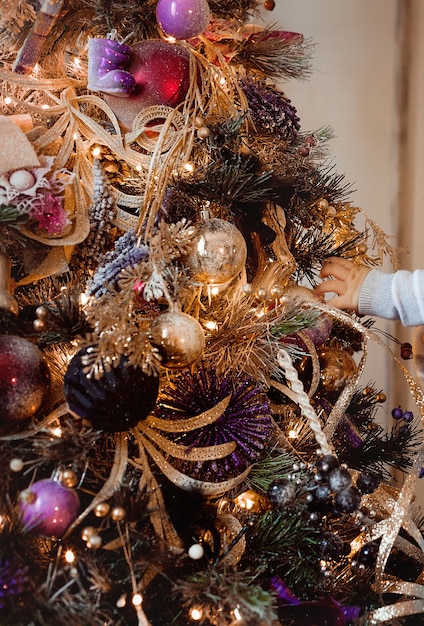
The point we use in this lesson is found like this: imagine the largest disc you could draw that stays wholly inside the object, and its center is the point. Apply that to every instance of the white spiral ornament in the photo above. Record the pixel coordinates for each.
(292, 377)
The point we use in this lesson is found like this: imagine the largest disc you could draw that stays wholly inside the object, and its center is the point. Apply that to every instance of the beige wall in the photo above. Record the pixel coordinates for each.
(368, 85)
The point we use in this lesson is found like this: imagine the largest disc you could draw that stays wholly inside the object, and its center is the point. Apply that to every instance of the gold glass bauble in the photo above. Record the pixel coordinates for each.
(179, 338)
(218, 252)
(338, 368)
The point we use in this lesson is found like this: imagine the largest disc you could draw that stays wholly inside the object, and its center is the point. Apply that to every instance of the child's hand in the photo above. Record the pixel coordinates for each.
(346, 279)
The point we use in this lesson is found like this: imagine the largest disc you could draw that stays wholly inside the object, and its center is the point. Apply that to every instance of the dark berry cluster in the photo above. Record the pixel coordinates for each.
(406, 416)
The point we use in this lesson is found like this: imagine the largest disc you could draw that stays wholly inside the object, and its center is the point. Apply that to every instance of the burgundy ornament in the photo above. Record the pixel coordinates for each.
(24, 379)
(48, 508)
(183, 19)
(161, 72)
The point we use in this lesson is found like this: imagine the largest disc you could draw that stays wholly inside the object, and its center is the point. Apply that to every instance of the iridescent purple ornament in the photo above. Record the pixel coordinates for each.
(106, 62)
(246, 420)
(24, 380)
(48, 508)
(183, 19)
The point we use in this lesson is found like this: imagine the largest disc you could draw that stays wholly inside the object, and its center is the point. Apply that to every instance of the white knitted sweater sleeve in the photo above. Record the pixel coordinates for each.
(394, 296)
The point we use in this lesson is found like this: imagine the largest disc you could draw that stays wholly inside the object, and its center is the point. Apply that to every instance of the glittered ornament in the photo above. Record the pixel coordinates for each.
(331, 546)
(107, 60)
(162, 76)
(122, 397)
(327, 463)
(48, 508)
(218, 252)
(338, 368)
(367, 481)
(281, 493)
(339, 479)
(182, 19)
(24, 380)
(179, 338)
(348, 500)
(245, 422)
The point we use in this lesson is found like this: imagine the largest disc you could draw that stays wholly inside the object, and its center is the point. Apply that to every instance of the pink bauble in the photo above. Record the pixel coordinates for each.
(48, 508)
(24, 379)
(162, 77)
(183, 19)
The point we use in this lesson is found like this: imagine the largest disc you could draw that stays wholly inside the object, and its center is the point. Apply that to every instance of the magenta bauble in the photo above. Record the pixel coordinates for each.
(48, 508)
(162, 77)
(183, 19)
(24, 380)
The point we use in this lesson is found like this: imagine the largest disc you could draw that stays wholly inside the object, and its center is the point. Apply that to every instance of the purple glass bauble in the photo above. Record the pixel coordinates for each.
(183, 19)
(117, 401)
(24, 380)
(162, 77)
(48, 508)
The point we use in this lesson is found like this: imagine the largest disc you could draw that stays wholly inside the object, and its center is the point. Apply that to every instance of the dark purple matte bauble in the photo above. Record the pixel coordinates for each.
(48, 508)
(24, 380)
(117, 401)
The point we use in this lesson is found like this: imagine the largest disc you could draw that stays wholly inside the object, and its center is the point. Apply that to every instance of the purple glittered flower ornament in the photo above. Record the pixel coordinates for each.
(246, 421)
(13, 580)
(270, 110)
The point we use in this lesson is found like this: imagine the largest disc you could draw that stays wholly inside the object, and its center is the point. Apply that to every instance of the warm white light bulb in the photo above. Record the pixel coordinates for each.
(69, 556)
(196, 614)
(137, 599)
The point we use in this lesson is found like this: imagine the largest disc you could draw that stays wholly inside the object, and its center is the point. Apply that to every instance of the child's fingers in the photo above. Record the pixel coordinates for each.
(331, 286)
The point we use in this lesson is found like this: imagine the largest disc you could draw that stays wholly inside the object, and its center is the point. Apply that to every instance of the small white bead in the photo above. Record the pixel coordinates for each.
(196, 551)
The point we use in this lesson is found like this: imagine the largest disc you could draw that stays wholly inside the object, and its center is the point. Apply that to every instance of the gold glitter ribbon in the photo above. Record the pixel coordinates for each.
(158, 514)
(187, 482)
(189, 423)
(208, 453)
(111, 485)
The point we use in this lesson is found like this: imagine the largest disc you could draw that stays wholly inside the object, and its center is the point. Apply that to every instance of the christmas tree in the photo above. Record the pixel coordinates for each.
(185, 436)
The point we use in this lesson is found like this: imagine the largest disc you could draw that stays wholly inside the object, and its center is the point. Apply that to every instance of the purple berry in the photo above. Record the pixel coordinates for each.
(397, 413)
(408, 416)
